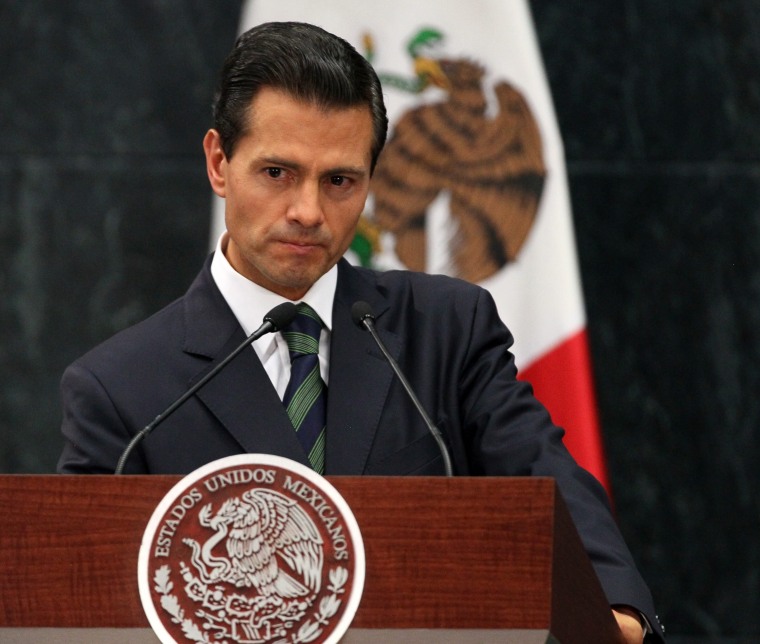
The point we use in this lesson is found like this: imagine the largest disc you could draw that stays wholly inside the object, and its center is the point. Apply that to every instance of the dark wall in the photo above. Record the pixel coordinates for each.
(104, 202)
(659, 107)
(104, 215)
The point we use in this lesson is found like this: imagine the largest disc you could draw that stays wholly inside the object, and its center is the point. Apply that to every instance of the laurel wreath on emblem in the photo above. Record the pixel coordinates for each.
(170, 604)
(308, 632)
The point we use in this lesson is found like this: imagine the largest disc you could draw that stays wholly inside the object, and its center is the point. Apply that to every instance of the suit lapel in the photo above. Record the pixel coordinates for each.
(240, 396)
(245, 403)
(359, 376)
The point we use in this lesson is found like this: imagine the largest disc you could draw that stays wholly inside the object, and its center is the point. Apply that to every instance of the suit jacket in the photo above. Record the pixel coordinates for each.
(447, 338)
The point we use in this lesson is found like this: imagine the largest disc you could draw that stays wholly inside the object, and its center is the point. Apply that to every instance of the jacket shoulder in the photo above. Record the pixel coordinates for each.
(150, 336)
(424, 287)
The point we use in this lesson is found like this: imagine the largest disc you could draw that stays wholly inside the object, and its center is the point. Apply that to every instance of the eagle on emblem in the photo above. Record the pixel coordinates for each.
(271, 544)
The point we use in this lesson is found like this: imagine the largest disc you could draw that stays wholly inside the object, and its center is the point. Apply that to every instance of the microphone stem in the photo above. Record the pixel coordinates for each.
(137, 438)
(400, 375)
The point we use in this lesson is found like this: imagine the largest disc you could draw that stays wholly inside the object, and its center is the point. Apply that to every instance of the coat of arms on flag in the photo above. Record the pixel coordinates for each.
(490, 167)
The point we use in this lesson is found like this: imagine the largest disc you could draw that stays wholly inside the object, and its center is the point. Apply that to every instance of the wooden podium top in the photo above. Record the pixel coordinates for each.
(457, 553)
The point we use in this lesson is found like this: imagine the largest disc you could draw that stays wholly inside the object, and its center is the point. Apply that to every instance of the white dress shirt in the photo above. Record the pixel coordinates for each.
(251, 302)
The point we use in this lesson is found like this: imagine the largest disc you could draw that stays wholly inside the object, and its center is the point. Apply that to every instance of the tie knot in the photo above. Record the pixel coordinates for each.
(302, 334)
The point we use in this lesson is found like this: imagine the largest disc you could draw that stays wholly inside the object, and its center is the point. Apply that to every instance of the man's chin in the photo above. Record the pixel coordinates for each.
(294, 286)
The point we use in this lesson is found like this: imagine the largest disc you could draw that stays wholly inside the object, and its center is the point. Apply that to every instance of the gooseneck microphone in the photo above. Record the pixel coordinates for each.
(361, 312)
(280, 316)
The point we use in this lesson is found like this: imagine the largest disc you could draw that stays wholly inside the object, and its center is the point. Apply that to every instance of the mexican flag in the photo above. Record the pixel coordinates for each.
(472, 181)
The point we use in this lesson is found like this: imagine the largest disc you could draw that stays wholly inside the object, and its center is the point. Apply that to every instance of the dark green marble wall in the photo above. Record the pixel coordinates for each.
(104, 212)
(659, 107)
(104, 201)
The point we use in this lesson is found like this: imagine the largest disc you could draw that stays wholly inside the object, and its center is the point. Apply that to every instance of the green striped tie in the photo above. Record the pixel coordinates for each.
(306, 395)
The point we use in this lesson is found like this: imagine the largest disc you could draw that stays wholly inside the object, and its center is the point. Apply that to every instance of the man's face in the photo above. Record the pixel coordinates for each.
(294, 189)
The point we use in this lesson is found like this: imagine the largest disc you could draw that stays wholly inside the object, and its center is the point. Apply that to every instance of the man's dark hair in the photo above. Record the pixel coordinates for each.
(307, 63)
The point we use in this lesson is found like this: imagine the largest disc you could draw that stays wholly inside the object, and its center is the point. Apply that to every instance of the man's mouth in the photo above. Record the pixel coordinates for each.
(300, 246)
(302, 243)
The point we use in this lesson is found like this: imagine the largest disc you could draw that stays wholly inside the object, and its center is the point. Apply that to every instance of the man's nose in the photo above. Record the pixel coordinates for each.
(306, 208)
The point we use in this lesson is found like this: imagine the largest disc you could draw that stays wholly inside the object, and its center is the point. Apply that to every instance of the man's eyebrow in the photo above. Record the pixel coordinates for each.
(338, 170)
(279, 161)
(348, 169)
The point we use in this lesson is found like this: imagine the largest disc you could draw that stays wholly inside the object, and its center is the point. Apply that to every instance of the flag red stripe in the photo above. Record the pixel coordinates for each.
(562, 381)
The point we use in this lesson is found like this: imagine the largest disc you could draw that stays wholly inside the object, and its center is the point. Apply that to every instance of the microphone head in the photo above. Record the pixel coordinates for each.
(360, 312)
(281, 315)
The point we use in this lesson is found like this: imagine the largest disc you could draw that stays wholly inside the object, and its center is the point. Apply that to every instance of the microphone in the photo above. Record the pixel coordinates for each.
(361, 312)
(280, 316)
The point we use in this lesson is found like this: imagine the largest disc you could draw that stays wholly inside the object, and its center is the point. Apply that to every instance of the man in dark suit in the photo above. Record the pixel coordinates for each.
(299, 125)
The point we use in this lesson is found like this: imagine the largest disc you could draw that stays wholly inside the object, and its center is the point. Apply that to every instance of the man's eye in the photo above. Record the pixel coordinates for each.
(338, 180)
(275, 173)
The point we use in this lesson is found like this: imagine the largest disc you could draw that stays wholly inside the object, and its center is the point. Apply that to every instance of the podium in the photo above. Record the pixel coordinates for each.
(448, 560)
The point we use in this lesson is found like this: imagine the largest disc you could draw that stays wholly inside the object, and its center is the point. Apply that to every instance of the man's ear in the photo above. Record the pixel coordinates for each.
(216, 162)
